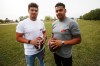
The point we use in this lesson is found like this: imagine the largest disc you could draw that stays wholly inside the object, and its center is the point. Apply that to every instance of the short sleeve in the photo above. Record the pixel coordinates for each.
(20, 28)
(74, 28)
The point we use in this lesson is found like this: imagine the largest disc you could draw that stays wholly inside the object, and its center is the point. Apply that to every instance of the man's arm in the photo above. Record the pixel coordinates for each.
(76, 40)
(19, 38)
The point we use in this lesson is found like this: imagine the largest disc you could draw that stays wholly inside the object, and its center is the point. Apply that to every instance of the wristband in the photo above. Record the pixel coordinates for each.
(29, 41)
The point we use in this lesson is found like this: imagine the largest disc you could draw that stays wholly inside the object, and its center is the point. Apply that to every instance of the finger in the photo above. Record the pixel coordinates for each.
(36, 47)
(55, 47)
(38, 38)
(52, 40)
(42, 43)
(37, 44)
(52, 46)
(37, 41)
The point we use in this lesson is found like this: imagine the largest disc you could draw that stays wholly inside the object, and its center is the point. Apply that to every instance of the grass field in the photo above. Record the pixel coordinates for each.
(85, 54)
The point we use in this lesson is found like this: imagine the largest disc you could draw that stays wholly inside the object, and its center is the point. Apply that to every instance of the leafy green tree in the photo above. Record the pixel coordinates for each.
(1, 21)
(16, 20)
(7, 20)
(80, 17)
(21, 18)
(92, 15)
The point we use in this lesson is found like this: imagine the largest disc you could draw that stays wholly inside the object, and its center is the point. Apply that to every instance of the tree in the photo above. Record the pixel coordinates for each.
(7, 20)
(16, 20)
(92, 15)
(21, 18)
(54, 18)
(1, 21)
(80, 17)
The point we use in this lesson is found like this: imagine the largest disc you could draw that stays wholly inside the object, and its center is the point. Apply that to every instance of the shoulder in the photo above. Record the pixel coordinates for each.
(23, 22)
(55, 22)
(72, 21)
(40, 21)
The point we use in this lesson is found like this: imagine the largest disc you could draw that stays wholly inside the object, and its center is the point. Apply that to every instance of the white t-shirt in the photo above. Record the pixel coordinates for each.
(31, 30)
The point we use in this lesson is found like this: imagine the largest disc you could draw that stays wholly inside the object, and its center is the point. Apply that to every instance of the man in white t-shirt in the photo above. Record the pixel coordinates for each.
(32, 33)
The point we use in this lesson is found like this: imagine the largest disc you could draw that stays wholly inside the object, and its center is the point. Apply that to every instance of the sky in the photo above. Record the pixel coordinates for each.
(13, 9)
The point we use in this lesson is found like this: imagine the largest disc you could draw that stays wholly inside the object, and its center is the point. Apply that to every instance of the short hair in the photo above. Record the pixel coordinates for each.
(32, 5)
(60, 4)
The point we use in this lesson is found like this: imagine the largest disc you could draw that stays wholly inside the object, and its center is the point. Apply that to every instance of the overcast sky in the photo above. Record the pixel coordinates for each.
(13, 9)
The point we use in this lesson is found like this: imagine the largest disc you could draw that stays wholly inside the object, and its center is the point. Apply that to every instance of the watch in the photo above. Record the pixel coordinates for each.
(62, 42)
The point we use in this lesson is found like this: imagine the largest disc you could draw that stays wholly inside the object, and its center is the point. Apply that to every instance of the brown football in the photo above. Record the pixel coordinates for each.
(51, 49)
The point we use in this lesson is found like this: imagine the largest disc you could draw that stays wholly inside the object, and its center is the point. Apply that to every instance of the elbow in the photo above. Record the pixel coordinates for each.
(17, 38)
(79, 41)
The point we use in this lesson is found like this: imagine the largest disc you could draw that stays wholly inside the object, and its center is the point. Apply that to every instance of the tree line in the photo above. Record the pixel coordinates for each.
(92, 15)
(7, 20)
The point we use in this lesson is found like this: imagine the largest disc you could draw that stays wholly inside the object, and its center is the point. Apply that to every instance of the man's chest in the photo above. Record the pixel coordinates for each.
(32, 28)
(61, 28)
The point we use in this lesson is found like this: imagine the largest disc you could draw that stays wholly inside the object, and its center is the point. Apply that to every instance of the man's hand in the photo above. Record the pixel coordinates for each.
(58, 42)
(54, 44)
(43, 41)
(35, 42)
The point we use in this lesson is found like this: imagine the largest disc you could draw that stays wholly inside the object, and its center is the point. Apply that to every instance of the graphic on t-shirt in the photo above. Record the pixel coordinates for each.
(64, 30)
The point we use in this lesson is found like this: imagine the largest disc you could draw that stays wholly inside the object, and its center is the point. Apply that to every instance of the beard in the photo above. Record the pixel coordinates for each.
(33, 17)
(61, 17)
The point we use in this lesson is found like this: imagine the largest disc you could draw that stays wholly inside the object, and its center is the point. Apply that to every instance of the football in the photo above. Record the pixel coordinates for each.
(40, 41)
(51, 49)
(52, 43)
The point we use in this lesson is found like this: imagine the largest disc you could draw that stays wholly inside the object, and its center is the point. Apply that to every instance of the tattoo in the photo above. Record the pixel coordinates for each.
(77, 36)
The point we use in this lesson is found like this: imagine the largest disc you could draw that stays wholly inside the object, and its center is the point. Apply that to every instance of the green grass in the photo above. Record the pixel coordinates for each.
(85, 54)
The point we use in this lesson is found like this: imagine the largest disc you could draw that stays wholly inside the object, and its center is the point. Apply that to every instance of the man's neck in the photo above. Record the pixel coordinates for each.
(33, 19)
(62, 19)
